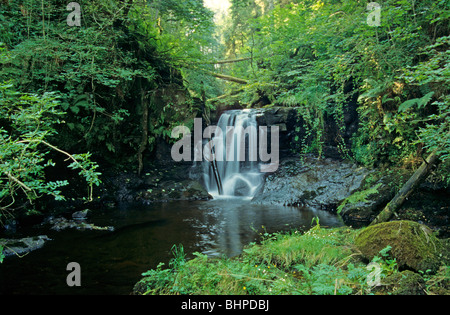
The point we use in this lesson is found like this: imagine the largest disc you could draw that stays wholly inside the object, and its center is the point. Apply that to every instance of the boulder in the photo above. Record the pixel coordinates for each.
(321, 183)
(193, 190)
(403, 283)
(413, 245)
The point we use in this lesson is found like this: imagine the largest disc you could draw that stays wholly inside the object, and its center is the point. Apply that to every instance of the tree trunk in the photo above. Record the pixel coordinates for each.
(220, 62)
(228, 78)
(420, 174)
(144, 139)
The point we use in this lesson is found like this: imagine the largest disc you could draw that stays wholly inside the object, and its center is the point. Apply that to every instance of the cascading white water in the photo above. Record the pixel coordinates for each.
(236, 156)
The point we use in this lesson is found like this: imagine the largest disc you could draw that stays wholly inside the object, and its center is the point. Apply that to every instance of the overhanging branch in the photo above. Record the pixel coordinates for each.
(228, 78)
(220, 62)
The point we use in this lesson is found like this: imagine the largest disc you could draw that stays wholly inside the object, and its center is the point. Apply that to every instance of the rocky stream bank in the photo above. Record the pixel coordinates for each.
(327, 184)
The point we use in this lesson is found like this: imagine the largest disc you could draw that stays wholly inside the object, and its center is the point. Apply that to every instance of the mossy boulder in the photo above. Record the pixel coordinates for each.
(413, 245)
(403, 283)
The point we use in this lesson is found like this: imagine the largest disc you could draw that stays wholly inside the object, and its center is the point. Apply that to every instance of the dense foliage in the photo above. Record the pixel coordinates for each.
(325, 56)
(105, 90)
(30, 120)
(78, 99)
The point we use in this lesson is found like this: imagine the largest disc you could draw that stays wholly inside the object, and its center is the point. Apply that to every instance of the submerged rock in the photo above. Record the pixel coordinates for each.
(62, 223)
(22, 246)
(413, 245)
(174, 190)
(80, 215)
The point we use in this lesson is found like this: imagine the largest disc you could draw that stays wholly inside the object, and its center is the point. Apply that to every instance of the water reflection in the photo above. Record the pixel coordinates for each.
(111, 262)
(226, 226)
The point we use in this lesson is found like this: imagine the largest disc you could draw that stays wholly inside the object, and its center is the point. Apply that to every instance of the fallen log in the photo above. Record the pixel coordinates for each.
(232, 93)
(420, 174)
(228, 78)
(220, 62)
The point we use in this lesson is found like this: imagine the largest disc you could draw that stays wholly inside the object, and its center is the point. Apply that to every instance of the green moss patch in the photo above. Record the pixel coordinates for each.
(413, 245)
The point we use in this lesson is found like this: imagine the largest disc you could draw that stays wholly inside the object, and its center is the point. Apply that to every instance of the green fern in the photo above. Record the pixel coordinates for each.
(359, 196)
(421, 102)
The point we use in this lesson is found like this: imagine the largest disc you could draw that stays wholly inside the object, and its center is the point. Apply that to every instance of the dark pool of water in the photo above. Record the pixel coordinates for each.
(112, 262)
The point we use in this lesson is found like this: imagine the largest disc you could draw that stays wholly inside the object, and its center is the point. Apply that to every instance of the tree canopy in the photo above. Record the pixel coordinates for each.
(320, 56)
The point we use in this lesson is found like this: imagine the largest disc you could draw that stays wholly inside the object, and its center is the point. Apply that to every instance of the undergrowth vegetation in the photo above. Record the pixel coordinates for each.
(319, 261)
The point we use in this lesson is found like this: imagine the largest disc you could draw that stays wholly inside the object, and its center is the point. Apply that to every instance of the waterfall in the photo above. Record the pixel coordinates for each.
(235, 153)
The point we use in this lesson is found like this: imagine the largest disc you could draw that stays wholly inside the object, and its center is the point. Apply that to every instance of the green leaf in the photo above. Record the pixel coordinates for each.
(425, 100)
(420, 102)
(75, 109)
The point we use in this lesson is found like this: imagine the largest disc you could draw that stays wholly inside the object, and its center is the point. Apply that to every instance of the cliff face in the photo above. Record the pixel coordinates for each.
(294, 135)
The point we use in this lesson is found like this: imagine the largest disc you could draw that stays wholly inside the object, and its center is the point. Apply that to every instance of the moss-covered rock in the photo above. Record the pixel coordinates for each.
(413, 245)
(402, 283)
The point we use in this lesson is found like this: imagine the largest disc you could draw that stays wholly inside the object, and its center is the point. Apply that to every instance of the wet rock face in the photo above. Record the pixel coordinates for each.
(161, 181)
(322, 183)
(292, 125)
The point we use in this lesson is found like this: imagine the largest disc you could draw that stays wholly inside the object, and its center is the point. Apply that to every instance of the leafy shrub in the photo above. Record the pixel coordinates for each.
(27, 121)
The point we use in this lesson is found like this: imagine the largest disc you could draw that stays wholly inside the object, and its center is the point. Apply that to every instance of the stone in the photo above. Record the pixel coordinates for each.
(80, 215)
(405, 283)
(321, 183)
(413, 245)
(195, 191)
(22, 246)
